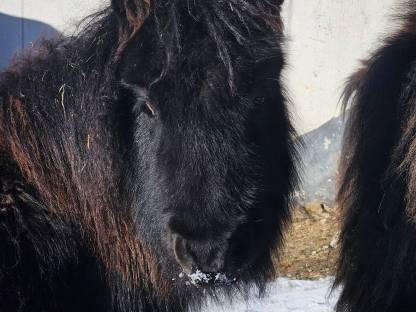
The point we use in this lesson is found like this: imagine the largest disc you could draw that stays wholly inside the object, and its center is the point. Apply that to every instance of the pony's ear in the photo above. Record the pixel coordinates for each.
(131, 15)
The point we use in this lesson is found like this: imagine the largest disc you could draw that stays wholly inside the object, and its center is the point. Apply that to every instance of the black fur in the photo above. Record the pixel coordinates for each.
(155, 141)
(377, 267)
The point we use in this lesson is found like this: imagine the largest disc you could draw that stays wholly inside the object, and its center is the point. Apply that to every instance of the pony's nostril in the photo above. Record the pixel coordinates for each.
(207, 256)
(181, 253)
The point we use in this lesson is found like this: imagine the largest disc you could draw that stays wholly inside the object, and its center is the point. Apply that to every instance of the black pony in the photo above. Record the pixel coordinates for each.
(377, 195)
(155, 142)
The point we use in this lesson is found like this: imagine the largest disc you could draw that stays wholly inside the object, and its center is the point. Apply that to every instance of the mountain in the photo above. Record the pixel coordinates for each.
(320, 156)
(16, 33)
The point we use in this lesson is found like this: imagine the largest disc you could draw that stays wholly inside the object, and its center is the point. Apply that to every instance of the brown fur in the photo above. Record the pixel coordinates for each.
(72, 193)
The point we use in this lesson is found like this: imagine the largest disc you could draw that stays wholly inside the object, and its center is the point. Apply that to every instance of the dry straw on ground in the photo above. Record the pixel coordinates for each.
(311, 242)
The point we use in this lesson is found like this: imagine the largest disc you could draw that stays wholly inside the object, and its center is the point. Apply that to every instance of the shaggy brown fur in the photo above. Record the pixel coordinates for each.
(69, 178)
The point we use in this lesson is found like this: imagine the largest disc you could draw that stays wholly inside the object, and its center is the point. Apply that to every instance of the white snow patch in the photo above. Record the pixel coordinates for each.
(334, 241)
(199, 277)
(224, 279)
(327, 142)
(287, 295)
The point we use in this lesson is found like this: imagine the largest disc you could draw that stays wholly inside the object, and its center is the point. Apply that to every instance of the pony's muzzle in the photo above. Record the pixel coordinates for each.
(207, 256)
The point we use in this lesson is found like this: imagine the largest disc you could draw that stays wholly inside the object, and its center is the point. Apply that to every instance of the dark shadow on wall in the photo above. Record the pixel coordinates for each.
(17, 33)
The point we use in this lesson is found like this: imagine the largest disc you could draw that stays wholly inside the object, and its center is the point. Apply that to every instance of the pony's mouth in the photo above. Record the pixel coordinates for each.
(199, 278)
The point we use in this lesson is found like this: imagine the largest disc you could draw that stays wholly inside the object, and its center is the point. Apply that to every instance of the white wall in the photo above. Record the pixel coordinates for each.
(326, 40)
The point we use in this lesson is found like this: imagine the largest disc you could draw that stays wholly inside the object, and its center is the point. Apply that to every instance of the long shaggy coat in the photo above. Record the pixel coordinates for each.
(377, 195)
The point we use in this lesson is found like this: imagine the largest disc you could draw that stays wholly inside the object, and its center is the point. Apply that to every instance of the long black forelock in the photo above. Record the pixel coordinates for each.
(244, 32)
(238, 27)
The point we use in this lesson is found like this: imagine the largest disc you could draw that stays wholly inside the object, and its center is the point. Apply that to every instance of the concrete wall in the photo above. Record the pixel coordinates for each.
(326, 40)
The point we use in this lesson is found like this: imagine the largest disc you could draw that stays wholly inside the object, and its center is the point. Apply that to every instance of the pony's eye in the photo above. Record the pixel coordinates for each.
(149, 109)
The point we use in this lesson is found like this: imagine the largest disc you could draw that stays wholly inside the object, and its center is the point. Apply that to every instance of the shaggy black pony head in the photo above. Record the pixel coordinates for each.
(211, 149)
(158, 144)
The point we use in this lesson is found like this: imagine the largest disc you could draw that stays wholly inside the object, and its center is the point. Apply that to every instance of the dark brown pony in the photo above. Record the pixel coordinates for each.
(155, 142)
(377, 195)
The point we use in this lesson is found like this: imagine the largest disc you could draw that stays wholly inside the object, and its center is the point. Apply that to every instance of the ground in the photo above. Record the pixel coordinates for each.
(311, 242)
(287, 295)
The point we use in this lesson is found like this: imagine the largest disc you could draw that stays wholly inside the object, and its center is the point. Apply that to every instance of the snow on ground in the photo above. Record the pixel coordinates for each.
(288, 296)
